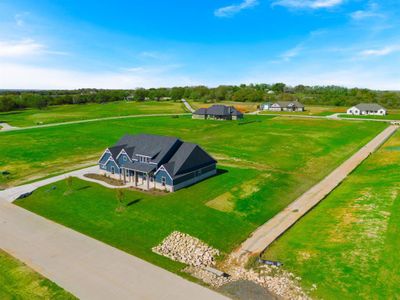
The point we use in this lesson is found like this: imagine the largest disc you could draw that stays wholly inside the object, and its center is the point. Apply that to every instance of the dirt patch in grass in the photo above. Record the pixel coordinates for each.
(105, 179)
(224, 202)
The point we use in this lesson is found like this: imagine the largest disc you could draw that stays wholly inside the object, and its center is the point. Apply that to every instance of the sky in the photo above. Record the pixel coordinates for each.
(68, 44)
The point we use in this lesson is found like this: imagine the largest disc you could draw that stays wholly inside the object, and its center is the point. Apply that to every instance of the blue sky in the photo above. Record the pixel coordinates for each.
(128, 44)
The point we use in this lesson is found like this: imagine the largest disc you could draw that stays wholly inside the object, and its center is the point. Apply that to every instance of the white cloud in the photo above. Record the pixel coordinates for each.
(24, 76)
(24, 48)
(381, 51)
(370, 12)
(20, 18)
(20, 48)
(313, 4)
(229, 11)
(291, 53)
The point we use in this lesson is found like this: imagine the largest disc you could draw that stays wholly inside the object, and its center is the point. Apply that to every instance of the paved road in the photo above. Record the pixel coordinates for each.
(270, 231)
(188, 106)
(10, 128)
(87, 268)
(12, 193)
(6, 126)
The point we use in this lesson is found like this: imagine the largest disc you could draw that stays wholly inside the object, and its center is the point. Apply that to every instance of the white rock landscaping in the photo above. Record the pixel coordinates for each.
(184, 248)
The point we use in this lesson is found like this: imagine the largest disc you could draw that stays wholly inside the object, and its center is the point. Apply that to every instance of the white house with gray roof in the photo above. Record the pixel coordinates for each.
(282, 106)
(149, 161)
(367, 109)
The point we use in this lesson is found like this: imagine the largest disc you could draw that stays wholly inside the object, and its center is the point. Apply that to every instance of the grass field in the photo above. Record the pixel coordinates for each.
(265, 164)
(312, 111)
(348, 244)
(276, 143)
(65, 113)
(17, 281)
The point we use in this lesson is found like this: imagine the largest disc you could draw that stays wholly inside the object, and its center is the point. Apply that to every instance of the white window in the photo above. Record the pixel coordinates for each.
(112, 170)
(163, 181)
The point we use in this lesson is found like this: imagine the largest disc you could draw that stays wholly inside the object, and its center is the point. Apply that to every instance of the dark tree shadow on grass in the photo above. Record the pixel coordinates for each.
(84, 188)
(134, 202)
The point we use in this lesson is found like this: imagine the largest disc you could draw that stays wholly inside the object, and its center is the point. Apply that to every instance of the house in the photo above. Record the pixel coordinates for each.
(150, 161)
(218, 112)
(282, 106)
(367, 109)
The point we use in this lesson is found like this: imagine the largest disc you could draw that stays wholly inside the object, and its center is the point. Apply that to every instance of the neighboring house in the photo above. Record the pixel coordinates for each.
(218, 112)
(282, 106)
(157, 162)
(367, 109)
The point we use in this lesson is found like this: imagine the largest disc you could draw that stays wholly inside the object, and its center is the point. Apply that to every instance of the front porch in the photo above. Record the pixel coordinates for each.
(138, 179)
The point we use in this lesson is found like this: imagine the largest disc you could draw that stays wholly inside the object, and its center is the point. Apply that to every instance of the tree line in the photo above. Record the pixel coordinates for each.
(309, 95)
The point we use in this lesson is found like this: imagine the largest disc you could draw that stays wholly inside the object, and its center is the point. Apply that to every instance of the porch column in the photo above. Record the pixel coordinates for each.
(147, 180)
(135, 178)
(124, 171)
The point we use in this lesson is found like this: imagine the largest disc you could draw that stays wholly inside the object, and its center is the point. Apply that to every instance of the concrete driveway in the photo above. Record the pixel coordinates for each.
(87, 268)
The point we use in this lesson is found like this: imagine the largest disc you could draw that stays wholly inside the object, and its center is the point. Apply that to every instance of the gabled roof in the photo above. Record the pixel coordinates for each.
(369, 106)
(187, 158)
(289, 103)
(218, 110)
(115, 150)
(138, 166)
(156, 147)
(176, 156)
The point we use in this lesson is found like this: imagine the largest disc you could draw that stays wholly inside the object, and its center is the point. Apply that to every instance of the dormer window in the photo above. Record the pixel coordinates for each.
(124, 158)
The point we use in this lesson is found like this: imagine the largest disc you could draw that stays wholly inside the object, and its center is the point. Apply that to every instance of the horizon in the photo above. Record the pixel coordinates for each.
(72, 45)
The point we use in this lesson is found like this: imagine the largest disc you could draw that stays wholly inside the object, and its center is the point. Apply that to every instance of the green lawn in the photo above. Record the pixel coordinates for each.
(265, 142)
(17, 281)
(265, 165)
(395, 115)
(64, 113)
(348, 244)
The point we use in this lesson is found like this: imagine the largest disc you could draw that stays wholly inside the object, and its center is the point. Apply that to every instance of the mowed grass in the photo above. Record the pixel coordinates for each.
(312, 110)
(18, 281)
(262, 142)
(76, 112)
(348, 244)
(264, 165)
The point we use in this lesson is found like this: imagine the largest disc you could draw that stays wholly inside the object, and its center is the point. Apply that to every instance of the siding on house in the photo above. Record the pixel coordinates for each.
(111, 164)
(162, 173)
(123, 158)
(104, 158)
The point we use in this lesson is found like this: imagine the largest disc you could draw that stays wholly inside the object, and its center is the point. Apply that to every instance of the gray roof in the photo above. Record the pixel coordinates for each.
(289, 103)
(176, 156)
(188, 158)
(154, 146)
(138, 166)
(218, 110)
(369, 106)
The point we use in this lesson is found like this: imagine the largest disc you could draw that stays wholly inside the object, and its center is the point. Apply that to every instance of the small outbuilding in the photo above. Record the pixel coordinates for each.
(218, 112)
(367, 109)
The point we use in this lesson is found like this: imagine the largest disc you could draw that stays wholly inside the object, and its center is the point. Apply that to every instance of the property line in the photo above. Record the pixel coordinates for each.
(275, 227)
